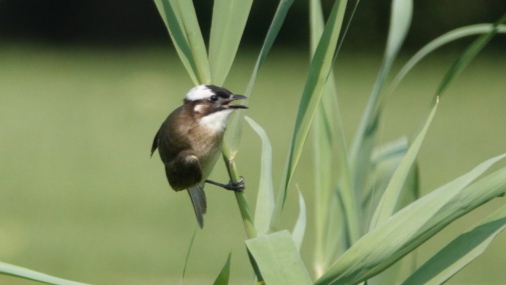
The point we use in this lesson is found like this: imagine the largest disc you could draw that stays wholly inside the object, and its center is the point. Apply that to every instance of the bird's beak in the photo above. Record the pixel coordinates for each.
(234, 98)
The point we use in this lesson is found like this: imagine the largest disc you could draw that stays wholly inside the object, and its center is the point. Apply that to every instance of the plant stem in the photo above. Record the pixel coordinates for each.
(233, 173)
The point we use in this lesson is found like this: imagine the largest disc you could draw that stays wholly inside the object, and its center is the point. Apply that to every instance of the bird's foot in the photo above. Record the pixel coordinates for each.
(238, 186)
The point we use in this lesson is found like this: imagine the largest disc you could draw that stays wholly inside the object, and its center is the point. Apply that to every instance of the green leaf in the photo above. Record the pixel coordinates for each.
(469, 54)
(460, 252)
(229, 20)
(384, 161)
(441, 41)
(300, 225)
(278, 259)
(330, 153)
(176, 31)
(414, 224)
(195, 39)
(181, 20)
(224, 275)
(190, 246)
(12, 270)
(390, 198)
(265, 196)
(319, 71)
(234, 133)
(365, 136)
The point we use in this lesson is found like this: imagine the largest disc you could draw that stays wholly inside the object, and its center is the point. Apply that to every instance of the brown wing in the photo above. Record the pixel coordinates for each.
(184, 171)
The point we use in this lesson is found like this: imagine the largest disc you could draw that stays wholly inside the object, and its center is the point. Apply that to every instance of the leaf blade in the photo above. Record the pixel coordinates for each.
(17, 271)
(265, 197)
(468, 55)
(175, 27)
(460, 252)
(390, 197)
(300, 225)
(229, 20)
(419, 221)
(365, 137)
(318, 73)
(278, 259)
(234, 133)
(224, 276)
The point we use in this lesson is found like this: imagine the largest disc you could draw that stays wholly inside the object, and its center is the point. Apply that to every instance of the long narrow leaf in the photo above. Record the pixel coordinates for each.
(440, 41)
(300, 225)
(190, 246)
(460, 252)
(469, 54)
(319, 71)
(195, 39)
(224, 276)
(385, 159)
(329, 143)
(12, 270)
(176, 29)
(278, 259)
(365, 136)
(415, 224)
(229, 20)
(234, 133)
(265, 197)
(390, 198)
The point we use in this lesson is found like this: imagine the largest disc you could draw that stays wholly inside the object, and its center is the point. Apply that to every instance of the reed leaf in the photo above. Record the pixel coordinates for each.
(440, 41)
(229, 20)
(234, 133)
(460, 252)
(419, 221)
(391, 196)
(224, 276)
(185, 265)
(365, 136)
(469, 54)
(300, 225)
(265, 196)
(17, 271)
(329, 146)
(181, 21)
(278, 259)
(319, 71)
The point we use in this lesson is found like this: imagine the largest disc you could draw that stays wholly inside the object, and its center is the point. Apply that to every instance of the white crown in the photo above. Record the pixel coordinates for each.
(198, 93)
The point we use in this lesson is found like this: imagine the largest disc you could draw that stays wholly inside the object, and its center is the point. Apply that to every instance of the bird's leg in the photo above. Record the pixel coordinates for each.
(238, 186)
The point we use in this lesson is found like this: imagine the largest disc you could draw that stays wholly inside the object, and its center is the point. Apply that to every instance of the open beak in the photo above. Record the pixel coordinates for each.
(234, 98)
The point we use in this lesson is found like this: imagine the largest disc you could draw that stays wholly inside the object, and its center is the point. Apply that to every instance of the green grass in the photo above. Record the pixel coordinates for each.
(82, 200)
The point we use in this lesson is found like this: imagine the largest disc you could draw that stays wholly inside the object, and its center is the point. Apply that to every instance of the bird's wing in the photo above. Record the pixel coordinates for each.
(198, 198)
(184, 171)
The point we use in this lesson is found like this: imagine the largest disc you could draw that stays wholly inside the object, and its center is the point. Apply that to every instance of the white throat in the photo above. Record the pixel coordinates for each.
(216, 121)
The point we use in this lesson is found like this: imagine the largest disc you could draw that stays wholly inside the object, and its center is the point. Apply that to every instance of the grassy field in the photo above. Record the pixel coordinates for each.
(81, 198)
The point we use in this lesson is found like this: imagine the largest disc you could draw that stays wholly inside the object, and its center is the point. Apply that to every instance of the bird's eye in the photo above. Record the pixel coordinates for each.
(214, 98)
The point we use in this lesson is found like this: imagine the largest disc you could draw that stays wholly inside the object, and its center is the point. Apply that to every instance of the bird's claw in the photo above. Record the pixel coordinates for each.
(238, 186)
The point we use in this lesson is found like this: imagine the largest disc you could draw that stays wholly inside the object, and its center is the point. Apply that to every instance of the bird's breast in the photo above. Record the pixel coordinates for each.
(207, 144)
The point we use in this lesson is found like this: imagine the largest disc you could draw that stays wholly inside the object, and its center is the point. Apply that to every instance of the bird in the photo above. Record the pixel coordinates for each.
(190, 140)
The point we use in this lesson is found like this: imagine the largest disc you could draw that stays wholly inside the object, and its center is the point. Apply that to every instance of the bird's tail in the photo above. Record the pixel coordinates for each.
(198, 198)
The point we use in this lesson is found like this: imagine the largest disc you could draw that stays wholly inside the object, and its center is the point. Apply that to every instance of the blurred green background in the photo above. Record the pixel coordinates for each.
(81, 198)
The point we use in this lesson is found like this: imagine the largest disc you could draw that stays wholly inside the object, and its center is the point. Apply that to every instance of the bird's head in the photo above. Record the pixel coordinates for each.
(211, 104)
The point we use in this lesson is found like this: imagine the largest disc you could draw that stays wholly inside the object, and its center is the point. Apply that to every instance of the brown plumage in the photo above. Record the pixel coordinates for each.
(190, 141)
